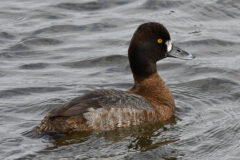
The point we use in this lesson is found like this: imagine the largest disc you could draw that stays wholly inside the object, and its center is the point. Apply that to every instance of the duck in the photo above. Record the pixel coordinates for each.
(148, 101)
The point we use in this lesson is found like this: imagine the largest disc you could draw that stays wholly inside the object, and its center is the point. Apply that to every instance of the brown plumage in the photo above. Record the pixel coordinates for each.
(157, 93)
(150, 100)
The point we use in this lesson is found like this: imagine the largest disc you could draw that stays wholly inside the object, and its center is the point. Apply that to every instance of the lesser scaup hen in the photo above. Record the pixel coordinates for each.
(150, 100)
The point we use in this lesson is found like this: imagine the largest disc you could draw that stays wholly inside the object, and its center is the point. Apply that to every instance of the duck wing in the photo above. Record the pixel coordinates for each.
(101, 99)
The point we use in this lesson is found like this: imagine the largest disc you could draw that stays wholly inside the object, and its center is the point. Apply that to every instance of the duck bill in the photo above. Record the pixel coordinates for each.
(176, 52)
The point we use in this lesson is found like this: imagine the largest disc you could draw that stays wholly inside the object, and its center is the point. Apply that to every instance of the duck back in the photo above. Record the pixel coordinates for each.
(98, 110)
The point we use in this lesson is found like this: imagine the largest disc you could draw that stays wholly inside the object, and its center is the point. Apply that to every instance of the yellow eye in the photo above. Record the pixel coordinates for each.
(159, 41)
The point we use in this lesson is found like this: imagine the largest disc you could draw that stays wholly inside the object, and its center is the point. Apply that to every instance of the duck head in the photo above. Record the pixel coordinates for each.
(150, 43)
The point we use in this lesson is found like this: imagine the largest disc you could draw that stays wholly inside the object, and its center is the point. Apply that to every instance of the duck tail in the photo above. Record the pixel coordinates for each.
(54, 126)
(46, 127)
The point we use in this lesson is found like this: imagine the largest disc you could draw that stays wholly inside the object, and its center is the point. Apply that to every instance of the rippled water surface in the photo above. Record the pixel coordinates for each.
(52, 51)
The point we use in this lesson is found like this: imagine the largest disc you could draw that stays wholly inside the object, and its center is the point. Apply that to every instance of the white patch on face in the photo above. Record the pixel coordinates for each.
(169, 45)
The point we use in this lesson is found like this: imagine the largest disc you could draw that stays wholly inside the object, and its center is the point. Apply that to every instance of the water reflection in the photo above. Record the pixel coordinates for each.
(139, 138)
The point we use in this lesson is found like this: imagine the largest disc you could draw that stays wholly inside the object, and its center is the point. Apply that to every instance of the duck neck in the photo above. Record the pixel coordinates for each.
(142, 59)
(154, 89)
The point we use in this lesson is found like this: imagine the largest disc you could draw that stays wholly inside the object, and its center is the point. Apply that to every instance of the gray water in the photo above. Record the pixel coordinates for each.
(52, 51)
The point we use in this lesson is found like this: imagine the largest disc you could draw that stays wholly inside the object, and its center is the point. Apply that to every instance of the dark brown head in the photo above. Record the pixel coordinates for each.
(150, 43)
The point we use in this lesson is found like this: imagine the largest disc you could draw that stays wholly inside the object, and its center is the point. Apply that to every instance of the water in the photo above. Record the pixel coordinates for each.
(52, 51)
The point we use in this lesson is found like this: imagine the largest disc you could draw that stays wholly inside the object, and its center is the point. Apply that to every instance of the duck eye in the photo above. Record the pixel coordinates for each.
(159, 41)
